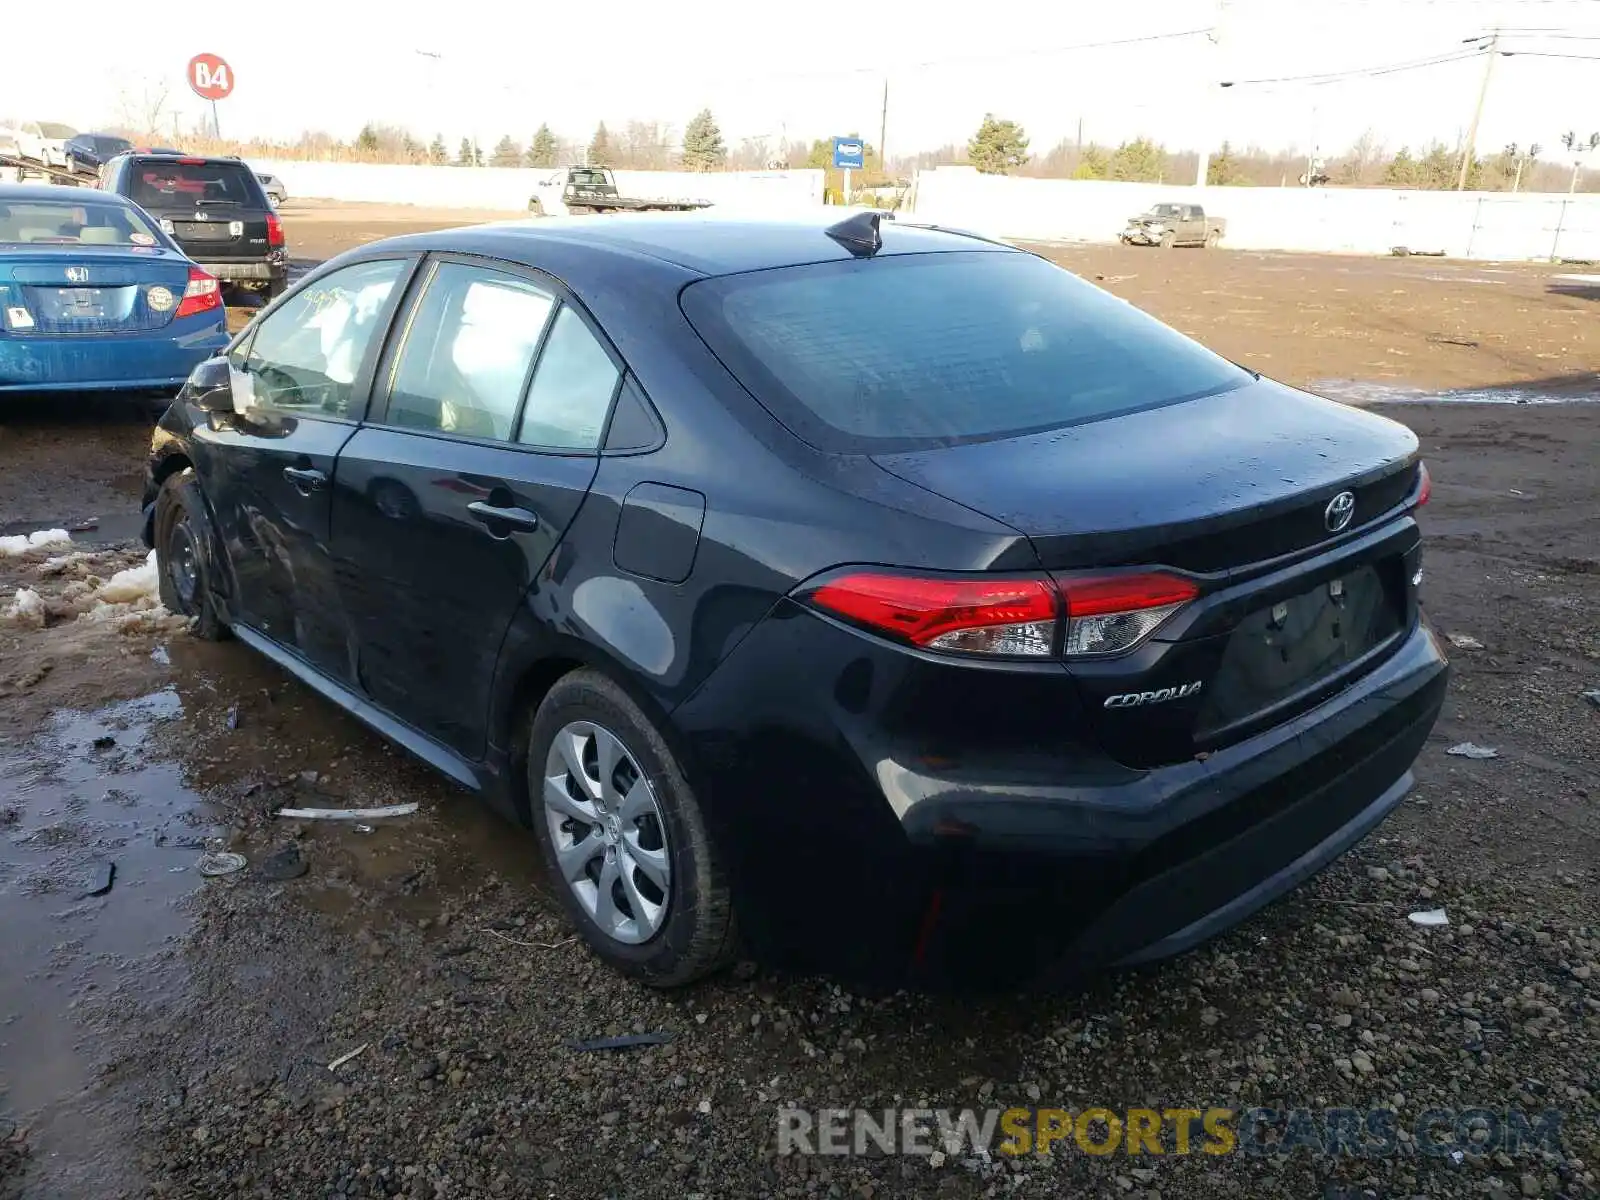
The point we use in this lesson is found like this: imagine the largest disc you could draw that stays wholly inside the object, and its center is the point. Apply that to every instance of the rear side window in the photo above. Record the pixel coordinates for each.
(909, 351)
(172, 183)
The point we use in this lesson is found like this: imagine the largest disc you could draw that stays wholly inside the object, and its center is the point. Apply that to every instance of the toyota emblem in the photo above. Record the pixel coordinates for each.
(1339, 511)
(77, 274)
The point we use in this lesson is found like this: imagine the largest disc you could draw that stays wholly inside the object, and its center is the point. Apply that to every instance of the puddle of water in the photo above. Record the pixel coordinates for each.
(73, 803)
(1355, 391)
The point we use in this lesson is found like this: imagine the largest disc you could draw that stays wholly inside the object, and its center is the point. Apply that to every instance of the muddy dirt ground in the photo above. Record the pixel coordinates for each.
(168, 1034)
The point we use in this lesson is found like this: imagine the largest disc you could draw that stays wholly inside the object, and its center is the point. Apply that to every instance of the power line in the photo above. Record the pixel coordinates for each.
(1364, 72)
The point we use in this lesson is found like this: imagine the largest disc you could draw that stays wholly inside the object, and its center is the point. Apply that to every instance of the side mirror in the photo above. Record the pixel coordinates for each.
(209, 386)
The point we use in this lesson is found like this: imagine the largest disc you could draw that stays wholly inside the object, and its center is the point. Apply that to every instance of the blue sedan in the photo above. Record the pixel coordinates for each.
(94, 296)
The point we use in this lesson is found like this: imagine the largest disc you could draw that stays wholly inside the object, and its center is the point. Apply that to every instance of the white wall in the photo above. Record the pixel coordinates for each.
(509, 187)
(1486, 225)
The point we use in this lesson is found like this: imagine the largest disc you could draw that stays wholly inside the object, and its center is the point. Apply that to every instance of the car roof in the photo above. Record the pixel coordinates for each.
(706, 245)
(65, 195)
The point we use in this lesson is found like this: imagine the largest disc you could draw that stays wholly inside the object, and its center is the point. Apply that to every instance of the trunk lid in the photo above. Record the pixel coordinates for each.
(1234, 490)
(78, 290)
(1207, 485)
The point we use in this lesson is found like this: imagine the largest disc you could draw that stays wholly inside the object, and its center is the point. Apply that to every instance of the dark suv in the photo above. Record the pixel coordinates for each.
(214, 209)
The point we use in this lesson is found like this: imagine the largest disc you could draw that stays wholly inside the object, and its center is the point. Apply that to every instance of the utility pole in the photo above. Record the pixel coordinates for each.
(1209, 104)
(883, 132)
(1477, 113)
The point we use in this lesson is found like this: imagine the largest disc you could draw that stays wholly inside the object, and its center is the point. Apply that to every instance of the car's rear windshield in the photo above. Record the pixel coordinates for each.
(174, 183)
(906, 351)
(69, 223)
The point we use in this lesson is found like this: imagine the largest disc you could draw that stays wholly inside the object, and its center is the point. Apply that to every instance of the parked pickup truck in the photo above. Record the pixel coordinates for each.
(576, 190)
(1168, 225)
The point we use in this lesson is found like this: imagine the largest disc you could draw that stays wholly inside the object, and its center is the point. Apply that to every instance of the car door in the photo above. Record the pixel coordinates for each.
(300, 384)
(484, 438)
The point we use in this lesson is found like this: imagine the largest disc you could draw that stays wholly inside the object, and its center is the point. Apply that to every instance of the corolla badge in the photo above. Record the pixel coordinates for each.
(1159, 696)
(77, 274)
(1339, 511)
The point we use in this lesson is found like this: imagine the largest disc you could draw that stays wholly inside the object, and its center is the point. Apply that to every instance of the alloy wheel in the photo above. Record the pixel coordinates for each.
(608, 832)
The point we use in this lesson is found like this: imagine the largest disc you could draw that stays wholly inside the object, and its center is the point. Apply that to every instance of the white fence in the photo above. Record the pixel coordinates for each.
(1483, 225)
(509, 188)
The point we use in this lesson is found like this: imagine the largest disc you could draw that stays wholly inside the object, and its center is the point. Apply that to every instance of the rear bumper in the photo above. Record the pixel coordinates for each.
(131, 362)
(244, 272)
(855, 854)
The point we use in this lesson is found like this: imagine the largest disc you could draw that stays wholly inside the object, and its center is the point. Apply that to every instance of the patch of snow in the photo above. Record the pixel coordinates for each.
(132, 585)
(27, 609)
(25, 543)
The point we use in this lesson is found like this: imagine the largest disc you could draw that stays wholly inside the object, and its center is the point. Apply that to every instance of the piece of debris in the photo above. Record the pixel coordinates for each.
(1472, 750)
(627, 1042)
(360, 828)
(233, 718)
(344, 1058)
(23, 543)
(220, 863)
(282, 866)
(87, 525)
(1431, 918)
(1445, 340)
(1514, 492)
(104, 742)
(1464, 641)
(348, 814)
(101, 877)
(1592, 696)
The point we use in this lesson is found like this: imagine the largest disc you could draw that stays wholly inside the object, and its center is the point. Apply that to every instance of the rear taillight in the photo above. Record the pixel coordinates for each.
(1009, 617)
(1424, 484)
(274, 231)
(1111, 614)
(203, 294)
(1076, 617)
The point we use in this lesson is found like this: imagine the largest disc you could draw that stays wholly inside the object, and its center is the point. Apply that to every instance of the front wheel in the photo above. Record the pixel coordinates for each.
(623, 836)
(1168, 240)
(182, 564)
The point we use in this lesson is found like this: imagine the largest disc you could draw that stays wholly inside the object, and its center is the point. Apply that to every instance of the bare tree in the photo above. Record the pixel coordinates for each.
(142, 106)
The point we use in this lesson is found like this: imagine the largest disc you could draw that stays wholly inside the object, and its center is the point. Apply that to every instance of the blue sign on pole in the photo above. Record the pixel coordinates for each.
(849, 153)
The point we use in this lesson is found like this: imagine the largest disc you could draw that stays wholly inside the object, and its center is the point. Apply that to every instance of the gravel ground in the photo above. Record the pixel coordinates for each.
(173, 1037)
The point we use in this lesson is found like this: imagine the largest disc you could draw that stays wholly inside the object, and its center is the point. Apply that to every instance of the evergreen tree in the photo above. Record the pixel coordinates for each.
(600, 152)
(998, 146)
(437, 154)
(1138, 161)
(468, 155)
(506, 153)
(543, 148)
(703, 148)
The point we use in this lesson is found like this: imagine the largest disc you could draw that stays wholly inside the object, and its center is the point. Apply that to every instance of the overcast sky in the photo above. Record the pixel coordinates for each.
(820, 67)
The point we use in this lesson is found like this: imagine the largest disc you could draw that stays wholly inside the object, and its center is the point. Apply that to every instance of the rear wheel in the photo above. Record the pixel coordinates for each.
(1212, 239)
(623, 836)
(181, 562)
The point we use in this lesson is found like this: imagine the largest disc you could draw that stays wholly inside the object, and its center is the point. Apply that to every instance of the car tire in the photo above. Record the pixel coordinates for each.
(1212, 239)
(182, 567)
(274, 289)
(1168, 240)
(635, 841)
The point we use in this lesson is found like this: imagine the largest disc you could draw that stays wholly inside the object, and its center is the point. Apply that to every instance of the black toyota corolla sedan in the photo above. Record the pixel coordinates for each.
(880, 598)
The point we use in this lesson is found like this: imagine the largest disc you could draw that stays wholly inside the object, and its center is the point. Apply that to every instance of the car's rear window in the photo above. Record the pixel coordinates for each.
(66, 223)
(169, 183)
(905, 351)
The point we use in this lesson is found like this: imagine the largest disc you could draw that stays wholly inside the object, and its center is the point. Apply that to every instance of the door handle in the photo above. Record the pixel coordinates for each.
(491, 515)
(305, 479)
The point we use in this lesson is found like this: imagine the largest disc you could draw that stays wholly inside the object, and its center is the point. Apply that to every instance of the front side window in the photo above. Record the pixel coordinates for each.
(468, 346)
(305, 356)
